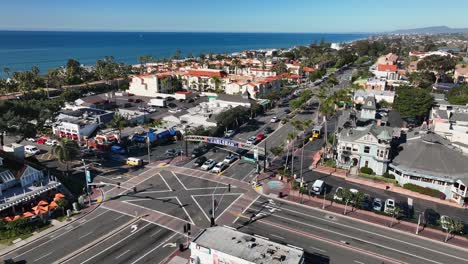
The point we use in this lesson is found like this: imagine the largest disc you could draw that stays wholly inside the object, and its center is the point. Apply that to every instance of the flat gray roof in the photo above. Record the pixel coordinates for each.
(247, 247)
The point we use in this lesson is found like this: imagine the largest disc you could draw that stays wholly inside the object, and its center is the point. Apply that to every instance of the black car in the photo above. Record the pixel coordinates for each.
(287, 111)
(267, 130)
(199, 161)
(198, 152)
(173, 152)
(171, 105)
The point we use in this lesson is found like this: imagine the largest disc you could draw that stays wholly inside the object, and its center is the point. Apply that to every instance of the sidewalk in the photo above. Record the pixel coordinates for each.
(376, 219)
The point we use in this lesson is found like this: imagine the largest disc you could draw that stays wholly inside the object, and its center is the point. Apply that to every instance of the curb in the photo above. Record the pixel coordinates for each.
(365, 222)
(48, 231)
(96, 242)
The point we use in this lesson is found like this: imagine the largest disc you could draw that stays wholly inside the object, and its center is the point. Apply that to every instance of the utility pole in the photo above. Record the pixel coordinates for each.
(419, 222)
(264, 155)
(149, 150)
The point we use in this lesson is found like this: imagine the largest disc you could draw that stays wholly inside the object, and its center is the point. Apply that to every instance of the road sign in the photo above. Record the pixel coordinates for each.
(222, 141)
(88, 176)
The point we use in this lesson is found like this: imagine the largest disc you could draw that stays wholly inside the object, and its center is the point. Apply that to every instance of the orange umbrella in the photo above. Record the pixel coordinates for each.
(40, 209)
(28, 214)
(16, 217)
(8, 218)
(53, 205)
(58, 196)
(42, 203)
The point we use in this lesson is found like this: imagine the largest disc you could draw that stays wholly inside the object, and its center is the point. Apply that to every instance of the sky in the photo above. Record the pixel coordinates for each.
(330, 16)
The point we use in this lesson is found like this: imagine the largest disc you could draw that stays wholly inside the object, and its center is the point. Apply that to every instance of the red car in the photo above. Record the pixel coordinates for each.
(260, 137)
(41, 141)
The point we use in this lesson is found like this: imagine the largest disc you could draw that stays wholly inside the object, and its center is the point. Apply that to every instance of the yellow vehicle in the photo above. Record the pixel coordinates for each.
(317, 132)
(134, 162)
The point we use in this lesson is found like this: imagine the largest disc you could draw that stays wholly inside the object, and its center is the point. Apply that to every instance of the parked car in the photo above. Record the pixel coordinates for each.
(171, 105)
(32, 150)
(138, 100)
(219, 167)
(41, 141)
(267, 130)
(151, 110)
(377, 205)
(260, 137)
(88, 152)
(230, 133)
(31, 139)
(354, 192)
(208, 165)
(199, 161)
(366, 202)
(338, 196)
(274, 119)
(118, 149)
(251, 141)
(173, 153)
(52, 142)
(230, 159)
(135, 162)
(284, 121)
(317, 187)
(287, 111)
(130, 100)
(175, 110)
(389, 206)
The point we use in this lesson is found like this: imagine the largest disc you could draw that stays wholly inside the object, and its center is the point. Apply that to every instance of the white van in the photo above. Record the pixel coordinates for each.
(32, 150)
(317, 187)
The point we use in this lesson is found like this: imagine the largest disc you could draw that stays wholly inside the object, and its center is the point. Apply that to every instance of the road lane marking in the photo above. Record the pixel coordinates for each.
(155, 233)
(359, 262)
(119, 241)
(369, 232)
(85, 235)
(183, 185)
(66, 232)
(183, 208)
(158, 246)
(234, 202)
(152, 210)
(318, 249)
(358, 239)
(125, 252)
(203, 211)
(165, 182)
(119, 217)
(43, 256)
(280, 237)
(237, 218)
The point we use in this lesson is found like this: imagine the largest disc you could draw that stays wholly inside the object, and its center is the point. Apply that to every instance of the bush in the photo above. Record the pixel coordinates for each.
(387, 175)
(329, 163)
(424, 190)
(367, 170)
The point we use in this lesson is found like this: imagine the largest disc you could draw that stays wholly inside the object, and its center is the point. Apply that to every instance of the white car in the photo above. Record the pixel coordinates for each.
(274, 119)
(389, 206)
(230, 133)
(31, 139)
(219, 167)
(251, 141)
(32, 150)
(208, 165)
(51, 142)
(150, 110)
(338, 194)
(377, 205)
(175, 110)
(230, 159)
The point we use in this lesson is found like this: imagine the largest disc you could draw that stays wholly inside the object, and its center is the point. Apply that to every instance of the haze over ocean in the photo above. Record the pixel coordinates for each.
(19, 50)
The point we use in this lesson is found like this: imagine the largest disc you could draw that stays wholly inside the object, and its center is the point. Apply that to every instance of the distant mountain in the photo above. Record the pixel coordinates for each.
(430, 30)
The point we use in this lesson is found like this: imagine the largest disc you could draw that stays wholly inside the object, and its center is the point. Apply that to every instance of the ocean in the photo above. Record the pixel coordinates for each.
(20, 50)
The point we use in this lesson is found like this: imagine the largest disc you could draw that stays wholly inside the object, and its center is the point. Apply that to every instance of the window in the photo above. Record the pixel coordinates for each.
(366, 149)
(426, 180)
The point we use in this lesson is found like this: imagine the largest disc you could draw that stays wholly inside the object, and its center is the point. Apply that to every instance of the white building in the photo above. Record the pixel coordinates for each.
(225, 245)
(430, 161)
(365, 147)
(81, 122)
(361, 95)
(150, 85)
(386, 71)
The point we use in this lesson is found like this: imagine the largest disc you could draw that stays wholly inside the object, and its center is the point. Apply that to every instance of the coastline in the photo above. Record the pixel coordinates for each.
(23, 49)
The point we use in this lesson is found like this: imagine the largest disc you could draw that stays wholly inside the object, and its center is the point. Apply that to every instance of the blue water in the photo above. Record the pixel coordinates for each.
(19, 50)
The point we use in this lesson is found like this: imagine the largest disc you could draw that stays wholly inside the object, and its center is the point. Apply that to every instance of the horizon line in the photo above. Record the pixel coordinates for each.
(175, 31)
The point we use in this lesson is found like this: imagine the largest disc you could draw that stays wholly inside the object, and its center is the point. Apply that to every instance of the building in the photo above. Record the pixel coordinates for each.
(368, 109)
(386, 71)
(225, 245)
(150, 85)
(461, 73)
(205, 79)
(361, 95)
(379, 84)
(365, 147)
(78, 123)
(430, 161)
(389, 59)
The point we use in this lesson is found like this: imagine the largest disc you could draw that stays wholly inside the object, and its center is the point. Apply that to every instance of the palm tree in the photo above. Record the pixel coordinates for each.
(451, 225)
(347, 196)
(290, 137)
(217, 82)
(66, 151)
(395, 214)
(118, 122)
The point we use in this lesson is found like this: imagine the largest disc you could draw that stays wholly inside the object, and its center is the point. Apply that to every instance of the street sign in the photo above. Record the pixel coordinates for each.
(222, 141)
(88, 176)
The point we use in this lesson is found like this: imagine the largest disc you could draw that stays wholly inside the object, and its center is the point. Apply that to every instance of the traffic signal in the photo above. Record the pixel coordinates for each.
(188, 227)
(118, 185)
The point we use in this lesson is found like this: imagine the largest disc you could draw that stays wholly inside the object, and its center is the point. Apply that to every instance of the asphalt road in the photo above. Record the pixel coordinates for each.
(327, 234)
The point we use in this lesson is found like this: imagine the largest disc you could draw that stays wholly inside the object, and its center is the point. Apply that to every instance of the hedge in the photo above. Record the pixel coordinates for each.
(424, 190)
(367, 170)
(377, 178)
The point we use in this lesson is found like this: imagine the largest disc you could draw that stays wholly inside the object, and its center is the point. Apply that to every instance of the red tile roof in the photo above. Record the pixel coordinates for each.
(388, 68)
(200, 73)
(308, 69)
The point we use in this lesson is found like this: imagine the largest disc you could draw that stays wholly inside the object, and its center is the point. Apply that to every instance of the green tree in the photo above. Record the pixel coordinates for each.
(118, 122)
(280, 67)
(66, 151)
(440, 65)
(62, 204)
(412, 102)
(458, 95)
(73, 72)
(7, 71)
(217, 82)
